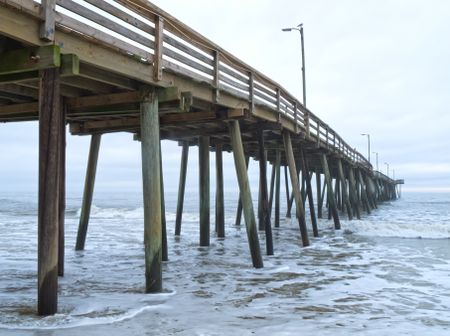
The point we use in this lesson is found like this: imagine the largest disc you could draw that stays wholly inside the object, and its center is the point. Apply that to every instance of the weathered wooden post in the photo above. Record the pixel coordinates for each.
(246, 197)
(272, 188)
(62, 192)
(151, 175)
(345, 197)
(165, 252)
(239, 207)
(331, 199)
(181, 187)
(50, 185)
(295, 186)
(319, 195)
(309, 192)
(277, 187)
(265, 212)
(220, 213)
(203, 159)
(286, 183)
(353, 195)
(88, 191)
(364, 197)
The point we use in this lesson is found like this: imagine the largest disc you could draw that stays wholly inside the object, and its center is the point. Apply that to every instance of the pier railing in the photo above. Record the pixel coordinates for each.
(145, 33)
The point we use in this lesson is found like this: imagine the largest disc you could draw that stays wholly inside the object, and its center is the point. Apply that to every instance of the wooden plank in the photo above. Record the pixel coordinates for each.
(107, 77)
(48, 204)
(30, 59)
(246, 197)
(150, 148)
(89, 183)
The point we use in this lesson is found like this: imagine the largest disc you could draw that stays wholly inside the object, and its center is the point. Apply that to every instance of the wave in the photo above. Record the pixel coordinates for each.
(386, 228)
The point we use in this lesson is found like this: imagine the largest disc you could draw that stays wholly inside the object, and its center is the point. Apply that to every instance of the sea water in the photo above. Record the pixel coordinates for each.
(387, 274)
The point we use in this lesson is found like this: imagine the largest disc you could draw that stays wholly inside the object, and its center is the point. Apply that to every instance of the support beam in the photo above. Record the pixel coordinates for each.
(330, 194)
(309, 192)
(364, 196)
(265, 212)
(151, 174)
(220, 212)
(181, 187)
(246, 196)
(203, 160)
(277, 187)
(88, 191)
(345, 196)
(49, 191)
(295, 186)
(30, 59)
(286, 183)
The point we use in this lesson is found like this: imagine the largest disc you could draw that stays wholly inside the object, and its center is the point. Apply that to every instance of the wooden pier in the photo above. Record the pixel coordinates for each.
(127, 66)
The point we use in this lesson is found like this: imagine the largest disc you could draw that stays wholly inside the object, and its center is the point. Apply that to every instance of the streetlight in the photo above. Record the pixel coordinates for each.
(376, 156)
(368, 145)
(387, 165)
(300, 29)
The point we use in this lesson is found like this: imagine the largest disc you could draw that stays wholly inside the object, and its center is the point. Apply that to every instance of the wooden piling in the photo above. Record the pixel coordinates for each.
(272, 189)
(364, 196)
(151, 175)
(309, 192)
(62, 192)
(203, 159)
(345, 196)
(165, 252)
(330, 195)
(50, 154)
(181, 187)
(319, 195)
(88, 191)
(220, 213)
(353, 193)
(239, 207)
(277, 187)
(246, 197)
(295, 186)
(286, 183)
(265, 212)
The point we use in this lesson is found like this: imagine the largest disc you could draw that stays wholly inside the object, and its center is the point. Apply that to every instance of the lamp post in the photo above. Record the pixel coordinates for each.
(376, 158)
(368, 145)
(300, 29)
(387, 168)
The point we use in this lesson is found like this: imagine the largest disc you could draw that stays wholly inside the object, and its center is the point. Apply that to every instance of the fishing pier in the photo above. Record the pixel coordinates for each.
(127, 66)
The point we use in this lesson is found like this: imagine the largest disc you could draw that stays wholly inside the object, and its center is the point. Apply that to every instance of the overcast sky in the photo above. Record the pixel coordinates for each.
(378, 67)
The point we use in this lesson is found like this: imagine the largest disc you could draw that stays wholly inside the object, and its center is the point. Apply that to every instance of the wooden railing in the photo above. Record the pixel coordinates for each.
(144, 32)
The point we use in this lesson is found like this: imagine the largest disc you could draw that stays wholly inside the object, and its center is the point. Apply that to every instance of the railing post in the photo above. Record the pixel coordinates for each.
(306, 118)
(251, 90)
(157, 57)
(318, 133)
(278, 104)
(47, 30)
(295, 116)
(216, 78)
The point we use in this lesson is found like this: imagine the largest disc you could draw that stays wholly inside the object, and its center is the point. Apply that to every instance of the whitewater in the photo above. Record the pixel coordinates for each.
(387, 274)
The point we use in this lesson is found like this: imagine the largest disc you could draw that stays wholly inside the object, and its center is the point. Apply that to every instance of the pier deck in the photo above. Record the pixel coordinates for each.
(127, 66)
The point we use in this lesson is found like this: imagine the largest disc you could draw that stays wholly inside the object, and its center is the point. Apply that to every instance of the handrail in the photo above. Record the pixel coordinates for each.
(143, 31)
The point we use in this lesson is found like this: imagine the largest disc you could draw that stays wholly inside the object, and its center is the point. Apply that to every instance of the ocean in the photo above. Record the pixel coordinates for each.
(387, 274)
